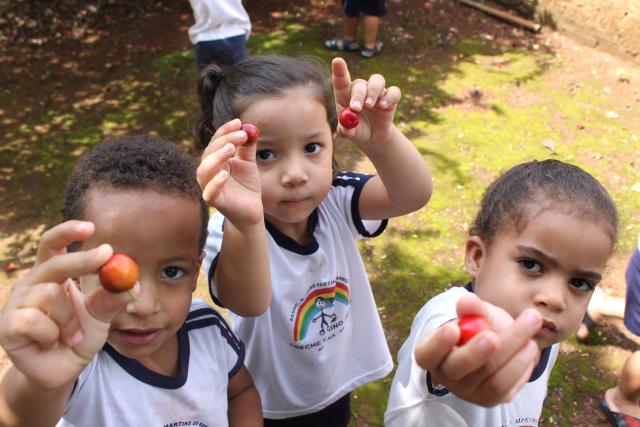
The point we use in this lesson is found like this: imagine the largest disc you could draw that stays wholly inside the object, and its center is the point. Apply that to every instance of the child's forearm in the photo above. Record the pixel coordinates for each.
(23, 403)
(403, 175)
(245, 409)
(242, 276)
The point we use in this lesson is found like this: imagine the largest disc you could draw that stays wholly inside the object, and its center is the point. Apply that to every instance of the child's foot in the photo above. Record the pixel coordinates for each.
(342, 44)
(592, 317)
(620, 411)
(370, 52)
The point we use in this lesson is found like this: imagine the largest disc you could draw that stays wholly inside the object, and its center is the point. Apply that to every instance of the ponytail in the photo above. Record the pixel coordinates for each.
(208, 83)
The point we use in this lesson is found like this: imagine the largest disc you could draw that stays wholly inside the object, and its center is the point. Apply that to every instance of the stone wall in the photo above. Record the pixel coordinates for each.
(611, 24)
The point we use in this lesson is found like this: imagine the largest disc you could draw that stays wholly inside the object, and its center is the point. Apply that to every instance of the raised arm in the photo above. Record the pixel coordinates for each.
(50, 330)
(228, 176)
(403, 182)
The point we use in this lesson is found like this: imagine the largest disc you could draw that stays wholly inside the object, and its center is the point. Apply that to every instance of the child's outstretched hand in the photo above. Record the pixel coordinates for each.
(375, 103)
(228, 174)
(493, 366)
(48, 328)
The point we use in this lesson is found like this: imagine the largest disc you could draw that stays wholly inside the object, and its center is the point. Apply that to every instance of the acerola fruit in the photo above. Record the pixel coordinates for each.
(252, 132)
(470, 326)
(119, 274)
(349, 118)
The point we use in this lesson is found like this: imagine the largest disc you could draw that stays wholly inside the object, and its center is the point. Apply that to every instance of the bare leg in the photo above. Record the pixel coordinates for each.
(350, 27)
(601, 305)
(625, 397)
(371, 26)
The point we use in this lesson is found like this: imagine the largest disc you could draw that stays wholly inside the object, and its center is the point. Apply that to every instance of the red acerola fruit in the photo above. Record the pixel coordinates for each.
(470, 326)
(119, 274)
(349, 118)
(252, 132)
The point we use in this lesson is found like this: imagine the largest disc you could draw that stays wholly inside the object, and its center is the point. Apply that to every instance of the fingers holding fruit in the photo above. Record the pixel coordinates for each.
(366, 107)
(230, 154)
(55, 240)
(38, 308)
(39, 313)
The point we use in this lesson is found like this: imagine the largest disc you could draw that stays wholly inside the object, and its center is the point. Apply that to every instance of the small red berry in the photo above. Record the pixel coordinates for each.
(119, 274)
(252, 132)
(11, 267)
(470, 326)
(349, 118)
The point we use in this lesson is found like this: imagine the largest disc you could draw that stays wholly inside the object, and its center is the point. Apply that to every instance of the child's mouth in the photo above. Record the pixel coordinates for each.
(548, 326)
(139, 337)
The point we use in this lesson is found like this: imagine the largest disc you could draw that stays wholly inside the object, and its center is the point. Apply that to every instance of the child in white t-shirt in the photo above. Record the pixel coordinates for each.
(540, 241)
(82, 356)
(321, 336)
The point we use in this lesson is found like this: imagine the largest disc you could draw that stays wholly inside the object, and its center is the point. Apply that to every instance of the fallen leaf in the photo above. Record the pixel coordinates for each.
(550, 144)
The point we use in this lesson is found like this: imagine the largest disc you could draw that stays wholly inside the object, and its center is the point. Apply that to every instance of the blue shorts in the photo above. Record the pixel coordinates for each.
(224, 52)
(353, 8)
(632, 307)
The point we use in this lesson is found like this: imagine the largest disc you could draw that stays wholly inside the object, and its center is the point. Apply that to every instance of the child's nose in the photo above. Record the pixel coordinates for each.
(146, 302)
(295, 173)
(552, 295)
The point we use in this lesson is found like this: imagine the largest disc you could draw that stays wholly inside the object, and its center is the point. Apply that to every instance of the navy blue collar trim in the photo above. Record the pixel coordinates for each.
(288, 243)
(140, 372)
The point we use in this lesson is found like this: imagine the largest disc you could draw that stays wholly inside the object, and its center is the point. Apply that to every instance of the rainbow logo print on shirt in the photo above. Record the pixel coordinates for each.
(314, 305)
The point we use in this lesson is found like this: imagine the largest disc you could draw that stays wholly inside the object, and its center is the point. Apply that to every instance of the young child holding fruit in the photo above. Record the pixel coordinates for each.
(540, 241)
(83, 355)
(321, 336)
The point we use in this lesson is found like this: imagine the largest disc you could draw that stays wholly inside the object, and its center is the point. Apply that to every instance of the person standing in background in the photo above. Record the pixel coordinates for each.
(367, 12)
(220, 32)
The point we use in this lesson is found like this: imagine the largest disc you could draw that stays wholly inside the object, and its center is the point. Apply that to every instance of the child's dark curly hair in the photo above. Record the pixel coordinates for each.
(139, 162)
(530, 188)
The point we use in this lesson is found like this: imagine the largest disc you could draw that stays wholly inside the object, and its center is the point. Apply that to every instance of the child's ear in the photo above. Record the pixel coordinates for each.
(475, 252)
(201, 257)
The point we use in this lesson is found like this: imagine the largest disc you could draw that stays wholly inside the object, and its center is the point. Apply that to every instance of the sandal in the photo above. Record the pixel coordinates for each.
(618, 419)
(342, 44)
(371, 52)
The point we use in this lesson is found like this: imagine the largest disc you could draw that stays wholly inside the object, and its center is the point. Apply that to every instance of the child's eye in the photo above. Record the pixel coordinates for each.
(172, 273)
(264, 155)
(311, 148)
(530, 265)
(582, 285)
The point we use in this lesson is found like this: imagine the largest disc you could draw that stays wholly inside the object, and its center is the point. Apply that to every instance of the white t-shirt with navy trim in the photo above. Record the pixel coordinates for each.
(114, 390)
(218, 19)
(322, 336)
(414, 401)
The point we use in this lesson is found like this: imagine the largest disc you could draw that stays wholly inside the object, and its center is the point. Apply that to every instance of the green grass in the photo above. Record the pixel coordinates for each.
(465, 146)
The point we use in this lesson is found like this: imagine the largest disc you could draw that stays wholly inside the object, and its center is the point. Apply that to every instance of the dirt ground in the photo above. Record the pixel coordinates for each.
(80, 61)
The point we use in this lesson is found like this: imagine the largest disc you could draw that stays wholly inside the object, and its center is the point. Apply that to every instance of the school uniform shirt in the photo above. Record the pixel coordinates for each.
(415, 401)
(321, 337)
(218, 19)
(114, 390)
